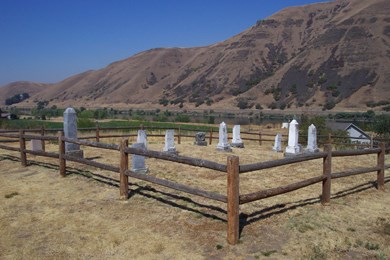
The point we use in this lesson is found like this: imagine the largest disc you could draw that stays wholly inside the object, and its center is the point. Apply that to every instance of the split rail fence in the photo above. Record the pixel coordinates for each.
(233, 169)
(211, 134)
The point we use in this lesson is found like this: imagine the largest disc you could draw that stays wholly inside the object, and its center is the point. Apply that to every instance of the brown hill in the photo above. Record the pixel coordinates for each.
(316, 56)
(20, 87)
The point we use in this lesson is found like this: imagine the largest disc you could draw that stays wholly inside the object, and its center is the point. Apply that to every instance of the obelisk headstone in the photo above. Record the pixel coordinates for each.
(70, 131)
(170, 141)
(278, 143)
(138, 161)
(223, 144)
(312, 139)
(142, 138)
(293, 147)
(237, 141)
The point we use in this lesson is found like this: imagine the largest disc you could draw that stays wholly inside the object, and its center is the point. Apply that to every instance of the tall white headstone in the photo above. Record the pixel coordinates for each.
(138, 161)
(278, 143)
(293, 147)
(312, 139)
(70, 131)
(170, 141)
(223, 144)
(237, 141)
(142, 138)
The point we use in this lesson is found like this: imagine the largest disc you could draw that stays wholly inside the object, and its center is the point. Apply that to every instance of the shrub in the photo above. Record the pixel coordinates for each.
(293, 89)
(329, 105)
(243, 104)
(164, 101)
(85, 122)
(183, 118)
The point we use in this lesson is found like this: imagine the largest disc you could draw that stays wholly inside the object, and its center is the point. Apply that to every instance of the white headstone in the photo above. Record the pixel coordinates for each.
(142, 138)
(36, 145)
(138, 161)
(170, 141)
(293, 147)
(284, 125)
(223, 144)
(312, 139)
(70, 131)
(237, 142)
(278, 143)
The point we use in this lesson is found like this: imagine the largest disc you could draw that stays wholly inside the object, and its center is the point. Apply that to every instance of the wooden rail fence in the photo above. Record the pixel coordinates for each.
(259, 137)
(232, 168)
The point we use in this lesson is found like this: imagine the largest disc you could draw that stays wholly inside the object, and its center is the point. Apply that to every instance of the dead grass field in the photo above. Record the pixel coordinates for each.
(45, 216)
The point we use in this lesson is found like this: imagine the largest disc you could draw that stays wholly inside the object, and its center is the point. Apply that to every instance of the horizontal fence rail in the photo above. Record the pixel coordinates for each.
(177, 186)
(279, 190)
(178, 158)
(275, 163)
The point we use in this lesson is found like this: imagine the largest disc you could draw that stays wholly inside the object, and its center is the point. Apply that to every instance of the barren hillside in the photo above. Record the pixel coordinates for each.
(318, 56)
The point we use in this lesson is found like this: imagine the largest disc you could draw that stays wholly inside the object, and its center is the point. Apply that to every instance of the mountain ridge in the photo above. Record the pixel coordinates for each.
(316, 56)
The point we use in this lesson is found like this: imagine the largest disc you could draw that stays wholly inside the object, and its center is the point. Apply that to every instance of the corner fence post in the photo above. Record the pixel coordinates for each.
(381, 165)
(61, 153)
(124, 166)
(22, 142)
(233, 197)
(43, 141)
(97, 132)
(211, 136)
(327, 172)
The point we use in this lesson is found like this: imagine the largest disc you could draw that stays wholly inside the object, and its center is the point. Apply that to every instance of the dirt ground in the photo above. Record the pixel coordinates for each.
(80, 216)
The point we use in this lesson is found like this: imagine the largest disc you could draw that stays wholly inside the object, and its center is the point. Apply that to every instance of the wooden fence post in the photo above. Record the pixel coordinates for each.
(260, 142)
(61, 152)
(211, 136)
(97, 132)
(124, 166)
(381, 165)
(43, 141)
(372, 141)
(329, 138)
(327, 171)
(22, 142)
(233, 199)
(179, 136)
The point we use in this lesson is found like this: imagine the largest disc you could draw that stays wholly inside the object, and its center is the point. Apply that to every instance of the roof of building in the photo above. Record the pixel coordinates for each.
(345, 126)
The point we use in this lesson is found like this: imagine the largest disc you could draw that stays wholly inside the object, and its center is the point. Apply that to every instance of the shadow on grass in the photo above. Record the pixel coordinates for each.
(136, 189)
(177, 200)
(247, 219)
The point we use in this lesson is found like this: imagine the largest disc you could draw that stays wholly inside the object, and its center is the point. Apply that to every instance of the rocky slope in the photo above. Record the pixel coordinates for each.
(316, 56)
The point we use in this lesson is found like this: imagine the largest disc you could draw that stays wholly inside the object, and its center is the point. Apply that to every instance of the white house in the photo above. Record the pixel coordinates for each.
(357, 135)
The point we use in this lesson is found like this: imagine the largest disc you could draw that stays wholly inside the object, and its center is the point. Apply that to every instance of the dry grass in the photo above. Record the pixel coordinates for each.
(44, 216)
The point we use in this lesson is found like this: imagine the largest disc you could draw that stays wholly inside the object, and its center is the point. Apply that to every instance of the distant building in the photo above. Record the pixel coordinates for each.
(357, 135)
(4, 115)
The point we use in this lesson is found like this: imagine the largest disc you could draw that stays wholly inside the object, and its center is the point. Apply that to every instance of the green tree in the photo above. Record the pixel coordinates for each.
(382, 125)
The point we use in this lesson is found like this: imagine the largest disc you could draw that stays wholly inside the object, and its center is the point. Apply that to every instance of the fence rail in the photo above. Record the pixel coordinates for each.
(232, 168)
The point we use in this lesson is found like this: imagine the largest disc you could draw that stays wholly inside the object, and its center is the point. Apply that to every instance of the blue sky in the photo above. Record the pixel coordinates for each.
(49, 40)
